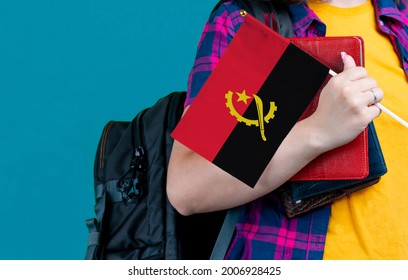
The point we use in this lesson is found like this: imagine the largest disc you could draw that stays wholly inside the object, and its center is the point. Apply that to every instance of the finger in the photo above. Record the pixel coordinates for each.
(379, 93)
(374, 95)
(348, 61)
(373, 112)
(352, 72)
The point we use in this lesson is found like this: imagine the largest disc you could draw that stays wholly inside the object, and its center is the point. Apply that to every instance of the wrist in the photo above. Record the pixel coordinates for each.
(317, 139)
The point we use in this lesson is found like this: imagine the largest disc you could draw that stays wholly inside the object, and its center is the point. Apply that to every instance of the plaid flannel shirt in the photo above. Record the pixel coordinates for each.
(263, 231)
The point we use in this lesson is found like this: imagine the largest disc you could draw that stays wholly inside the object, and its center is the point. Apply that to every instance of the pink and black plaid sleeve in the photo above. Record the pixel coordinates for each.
(217, 34)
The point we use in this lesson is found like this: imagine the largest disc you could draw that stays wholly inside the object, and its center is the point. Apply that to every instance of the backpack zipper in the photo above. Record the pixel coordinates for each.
(103, 145)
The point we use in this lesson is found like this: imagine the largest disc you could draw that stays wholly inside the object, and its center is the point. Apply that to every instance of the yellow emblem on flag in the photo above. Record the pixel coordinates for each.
(243, 97)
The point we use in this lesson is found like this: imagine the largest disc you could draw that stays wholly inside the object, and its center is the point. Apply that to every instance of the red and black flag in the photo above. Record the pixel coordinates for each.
(259, 89)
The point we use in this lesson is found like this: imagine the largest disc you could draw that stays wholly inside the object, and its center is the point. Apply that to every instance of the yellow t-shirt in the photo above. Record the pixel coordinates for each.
(373, 223)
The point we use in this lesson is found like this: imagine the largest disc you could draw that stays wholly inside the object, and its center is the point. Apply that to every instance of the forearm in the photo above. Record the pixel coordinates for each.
(196, 185)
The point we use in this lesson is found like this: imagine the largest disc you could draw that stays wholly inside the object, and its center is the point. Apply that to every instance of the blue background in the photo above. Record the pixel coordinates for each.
(67, 68)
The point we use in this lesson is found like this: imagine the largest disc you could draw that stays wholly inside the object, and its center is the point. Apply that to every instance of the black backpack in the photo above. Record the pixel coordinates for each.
(133, 217)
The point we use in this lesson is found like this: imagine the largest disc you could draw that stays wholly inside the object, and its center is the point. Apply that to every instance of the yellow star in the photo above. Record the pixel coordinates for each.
(243, 97)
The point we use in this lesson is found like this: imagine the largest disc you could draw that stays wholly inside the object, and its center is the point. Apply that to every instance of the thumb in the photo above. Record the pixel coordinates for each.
(348, 61)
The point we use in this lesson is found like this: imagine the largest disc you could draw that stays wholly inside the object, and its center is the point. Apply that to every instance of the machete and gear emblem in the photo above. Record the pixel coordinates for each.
(243, 97)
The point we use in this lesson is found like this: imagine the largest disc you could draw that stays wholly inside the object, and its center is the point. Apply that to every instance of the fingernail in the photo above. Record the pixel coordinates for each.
(343, 54)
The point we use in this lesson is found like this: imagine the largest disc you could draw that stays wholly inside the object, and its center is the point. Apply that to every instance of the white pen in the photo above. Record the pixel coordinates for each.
(392, 114)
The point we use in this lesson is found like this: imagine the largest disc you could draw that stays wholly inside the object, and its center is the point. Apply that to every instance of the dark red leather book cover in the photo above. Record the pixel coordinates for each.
(350, 161)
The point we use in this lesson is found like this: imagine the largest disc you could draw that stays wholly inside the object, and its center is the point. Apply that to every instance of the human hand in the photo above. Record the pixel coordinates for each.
(345, 106)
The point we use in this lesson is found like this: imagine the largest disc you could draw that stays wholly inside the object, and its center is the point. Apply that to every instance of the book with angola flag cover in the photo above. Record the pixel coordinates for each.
(258, 91)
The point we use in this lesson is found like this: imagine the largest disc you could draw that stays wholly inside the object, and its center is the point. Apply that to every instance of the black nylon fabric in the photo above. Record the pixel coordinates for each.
(146, 227)
(143, 228)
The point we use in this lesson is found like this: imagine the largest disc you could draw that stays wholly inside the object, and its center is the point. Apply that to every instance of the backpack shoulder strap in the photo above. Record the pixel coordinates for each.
(284, 23)
(226, 233)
